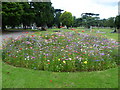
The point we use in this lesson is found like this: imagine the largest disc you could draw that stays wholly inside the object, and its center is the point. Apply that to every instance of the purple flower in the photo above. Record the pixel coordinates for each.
(46, 54)
(97, 60)
(33, 57)
(28, 42)
(102, 54)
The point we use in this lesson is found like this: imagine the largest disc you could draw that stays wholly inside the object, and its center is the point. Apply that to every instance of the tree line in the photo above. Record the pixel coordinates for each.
(43, 14)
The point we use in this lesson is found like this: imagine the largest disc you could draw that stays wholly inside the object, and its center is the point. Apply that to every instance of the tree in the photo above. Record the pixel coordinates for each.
(44, 13)
(111, 22)
(117, 23)
(77, 22)
(88, 19)
(66, 18)
(103, 23)
(57, 16)
(15, 13)
(28, 15)
(11, 14)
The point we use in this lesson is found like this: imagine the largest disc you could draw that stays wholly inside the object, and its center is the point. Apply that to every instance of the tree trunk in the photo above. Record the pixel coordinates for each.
(43, 28)
(67, 27)
(118, 29)
(3, 27)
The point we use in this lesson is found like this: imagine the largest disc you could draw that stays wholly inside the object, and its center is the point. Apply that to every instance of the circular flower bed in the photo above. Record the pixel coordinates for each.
(61, 52)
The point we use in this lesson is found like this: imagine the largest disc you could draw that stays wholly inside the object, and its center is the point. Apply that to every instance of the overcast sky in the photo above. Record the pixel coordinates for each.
(106, 8)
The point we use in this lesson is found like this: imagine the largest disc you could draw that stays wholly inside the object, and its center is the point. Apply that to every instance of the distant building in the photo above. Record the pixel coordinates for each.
(119, 8)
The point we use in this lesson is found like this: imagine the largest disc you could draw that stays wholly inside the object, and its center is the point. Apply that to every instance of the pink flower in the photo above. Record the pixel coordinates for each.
(33, 57)
(30, 47)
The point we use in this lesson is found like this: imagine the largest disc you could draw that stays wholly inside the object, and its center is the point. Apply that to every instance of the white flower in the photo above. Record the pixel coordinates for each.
(66, 51)
(61, 49)
(70, 59)
(27, 56)
(48, 60)
(80, 59)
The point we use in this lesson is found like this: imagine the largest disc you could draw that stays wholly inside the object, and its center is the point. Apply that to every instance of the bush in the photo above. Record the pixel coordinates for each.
(61, 52)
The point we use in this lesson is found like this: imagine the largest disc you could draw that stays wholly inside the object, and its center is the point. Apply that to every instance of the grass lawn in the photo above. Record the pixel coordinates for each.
(26, 78)
(15, 77)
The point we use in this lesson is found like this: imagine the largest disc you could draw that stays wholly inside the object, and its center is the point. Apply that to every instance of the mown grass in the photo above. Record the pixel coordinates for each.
(107, 33)
(26, 78)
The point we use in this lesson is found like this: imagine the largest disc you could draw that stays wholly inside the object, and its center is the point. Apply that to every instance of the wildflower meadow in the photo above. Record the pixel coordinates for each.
(61, 52)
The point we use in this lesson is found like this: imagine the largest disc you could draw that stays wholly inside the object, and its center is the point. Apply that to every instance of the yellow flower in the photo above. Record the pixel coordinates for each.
(64, 61)
(62, 47)
(85, 62)
(58, 59)
(91, 47)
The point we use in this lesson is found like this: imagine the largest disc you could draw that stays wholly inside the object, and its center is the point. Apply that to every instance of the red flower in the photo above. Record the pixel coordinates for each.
(8, 62)
(26, 32)
(83, 52)
(73, 29)
(61, 26)
(20, 48)
(48, 63)
(83, 31)
(50, 80)
(32, 35)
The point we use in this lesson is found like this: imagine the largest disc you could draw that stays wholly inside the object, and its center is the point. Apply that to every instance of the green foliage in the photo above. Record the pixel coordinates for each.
(57, 18)
(110, 22)
(11, 13)
(66, 18)
(90, 21)
(27, 18)
(117, 21)
(107, 22)
(16, 13)
(78, 22)
(44, 13)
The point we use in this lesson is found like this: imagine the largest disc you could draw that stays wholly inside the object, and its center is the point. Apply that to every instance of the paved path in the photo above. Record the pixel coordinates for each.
(13, 34)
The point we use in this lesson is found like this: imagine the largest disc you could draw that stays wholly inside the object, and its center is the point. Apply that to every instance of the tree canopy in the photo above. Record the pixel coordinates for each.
(43, 14)
(66, 18)
(11, 13)
(117, 21)
(16, 13)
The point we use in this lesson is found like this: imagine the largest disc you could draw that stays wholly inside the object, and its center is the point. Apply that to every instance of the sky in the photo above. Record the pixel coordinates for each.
(106, 8)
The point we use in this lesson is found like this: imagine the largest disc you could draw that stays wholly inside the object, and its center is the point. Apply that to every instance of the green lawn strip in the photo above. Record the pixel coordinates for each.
(107, 32)
(25, 78)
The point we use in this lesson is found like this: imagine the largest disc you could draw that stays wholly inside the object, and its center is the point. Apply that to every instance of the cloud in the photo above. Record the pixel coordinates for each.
(106, 1)
(105, 8)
